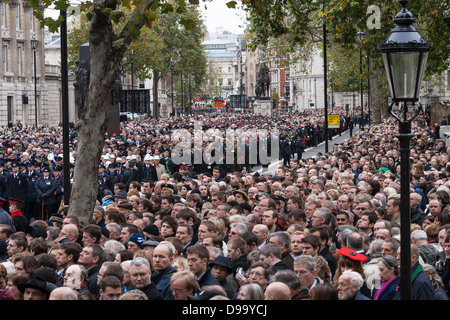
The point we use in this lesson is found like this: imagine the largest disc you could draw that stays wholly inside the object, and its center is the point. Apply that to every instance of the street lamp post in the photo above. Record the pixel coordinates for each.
(315, 95)
(405, 54)
(132, 54)
(361, 36)
(34, 44)
(171, 62)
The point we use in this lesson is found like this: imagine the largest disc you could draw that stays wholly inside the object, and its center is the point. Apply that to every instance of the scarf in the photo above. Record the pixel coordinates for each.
(383, 287)
(418, 270)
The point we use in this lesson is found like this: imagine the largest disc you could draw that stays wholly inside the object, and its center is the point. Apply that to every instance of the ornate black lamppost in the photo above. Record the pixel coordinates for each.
(405, 55)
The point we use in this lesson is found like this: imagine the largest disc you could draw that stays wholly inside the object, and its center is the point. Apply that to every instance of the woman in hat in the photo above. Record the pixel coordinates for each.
(351, 260)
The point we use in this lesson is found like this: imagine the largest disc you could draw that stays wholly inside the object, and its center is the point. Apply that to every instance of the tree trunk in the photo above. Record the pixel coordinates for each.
(379, 102)
(92, 124)
(155, 94)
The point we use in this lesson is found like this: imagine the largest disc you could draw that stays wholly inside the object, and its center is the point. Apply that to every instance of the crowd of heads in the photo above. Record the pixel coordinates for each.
(318, 228)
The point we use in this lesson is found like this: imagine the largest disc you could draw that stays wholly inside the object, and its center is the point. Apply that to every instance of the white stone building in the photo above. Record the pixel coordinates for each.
(18, 26)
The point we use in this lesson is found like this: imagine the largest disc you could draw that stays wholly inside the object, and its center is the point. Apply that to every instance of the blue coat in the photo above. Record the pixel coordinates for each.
(162, 282)
(390, 292)
(45, 191)
(207, 279)
(422, 289)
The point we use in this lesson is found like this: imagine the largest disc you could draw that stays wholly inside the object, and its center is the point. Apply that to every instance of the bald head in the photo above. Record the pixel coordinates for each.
(63, 293)
(70, 231)
(277, 291)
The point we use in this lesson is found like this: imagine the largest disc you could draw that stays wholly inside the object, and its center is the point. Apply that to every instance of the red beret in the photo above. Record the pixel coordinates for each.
(352, 254)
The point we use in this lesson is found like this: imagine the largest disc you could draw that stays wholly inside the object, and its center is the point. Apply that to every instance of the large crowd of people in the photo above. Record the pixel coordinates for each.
(322, 227)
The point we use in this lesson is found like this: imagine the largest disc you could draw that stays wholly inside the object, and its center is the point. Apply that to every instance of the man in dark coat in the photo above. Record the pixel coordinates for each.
(45, 188)
(130, 174)
(16, 183)
(285, 150)
(148, 170)
(198, 258)
(140, 274)
(58, 175)
(104, 182)
(32, 209)
(299, 147)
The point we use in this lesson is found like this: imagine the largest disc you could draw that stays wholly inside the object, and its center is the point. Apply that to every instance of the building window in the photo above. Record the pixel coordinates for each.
(19, 61)
(3, 14)
(18, 22)
(5, 58)
(448, 79)
(31, 20)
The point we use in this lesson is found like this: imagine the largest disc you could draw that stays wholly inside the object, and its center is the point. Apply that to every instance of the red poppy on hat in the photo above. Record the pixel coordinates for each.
(352, 254)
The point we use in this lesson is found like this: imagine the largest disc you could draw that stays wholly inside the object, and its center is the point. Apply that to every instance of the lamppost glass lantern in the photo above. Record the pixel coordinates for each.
(405, 55)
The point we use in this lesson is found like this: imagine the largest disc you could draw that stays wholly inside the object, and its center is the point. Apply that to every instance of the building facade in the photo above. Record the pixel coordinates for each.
(24, 97)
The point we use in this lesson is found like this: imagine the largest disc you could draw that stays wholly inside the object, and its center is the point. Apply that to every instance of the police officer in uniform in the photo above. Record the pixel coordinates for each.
(16, 184)
(104, 182)
(32, 210)
(45, 194)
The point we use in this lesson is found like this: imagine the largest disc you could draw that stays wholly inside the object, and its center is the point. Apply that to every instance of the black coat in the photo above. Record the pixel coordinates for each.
(207, 279)
(299, 146)
(152, 293)
(17, 187)
(285, 147)
(148, 173)
(31, 193)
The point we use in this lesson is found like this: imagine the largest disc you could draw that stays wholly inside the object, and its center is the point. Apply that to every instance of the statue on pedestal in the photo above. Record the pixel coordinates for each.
(262, 89)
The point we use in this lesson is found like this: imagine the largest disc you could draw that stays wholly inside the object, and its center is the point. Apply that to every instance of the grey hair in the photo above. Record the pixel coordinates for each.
(172, 249)
(283, 237)
(419, 235)
(306, 260)
(356, 280)
(139, 261)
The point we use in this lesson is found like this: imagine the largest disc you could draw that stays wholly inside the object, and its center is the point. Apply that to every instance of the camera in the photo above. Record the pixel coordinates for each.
(440, 267)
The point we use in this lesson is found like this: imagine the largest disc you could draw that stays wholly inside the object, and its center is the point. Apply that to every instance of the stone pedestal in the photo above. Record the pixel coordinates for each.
(438, 110)
(264, 107)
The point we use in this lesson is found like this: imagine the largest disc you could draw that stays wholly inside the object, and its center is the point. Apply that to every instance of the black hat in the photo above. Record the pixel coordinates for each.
(151, 229)
(246, 206)
(37, 283)
(121, 194)
(36, 231)
(222, 261)
(167, 185)
(46, 169)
